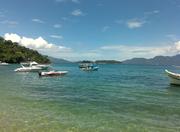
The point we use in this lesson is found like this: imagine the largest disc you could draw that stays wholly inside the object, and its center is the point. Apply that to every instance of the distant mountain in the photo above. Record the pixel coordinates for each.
(58, 60)
(14, 53)
(158, 60)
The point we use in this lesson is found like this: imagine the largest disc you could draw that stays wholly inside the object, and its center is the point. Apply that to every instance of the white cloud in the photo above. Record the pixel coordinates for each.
(119, 21)
(76, 1)
(122, 52)
(65, 18)
(9, 23)
(138, 22)
(73, 1)
(37, 44)
(99, 4)
(57, 25)
(138, 50)
(38, 21)
(151, 12)
(172, 37)
(56, 36)
(156, 11)
(177, 46)
(135, 23)
(77, 12)
(12, 37)
(1, 14)
(117, 52)
(60, 0)
(127, 52)
(105, 28)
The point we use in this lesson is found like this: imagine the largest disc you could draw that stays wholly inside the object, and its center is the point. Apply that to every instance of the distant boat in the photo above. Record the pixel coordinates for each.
(53, 73)
(3, 63)
(28, 69)
(88, 67)
(176, 66)
(174, 77)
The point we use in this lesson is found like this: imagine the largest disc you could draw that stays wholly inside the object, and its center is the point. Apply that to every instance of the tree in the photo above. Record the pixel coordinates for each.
(14, 53)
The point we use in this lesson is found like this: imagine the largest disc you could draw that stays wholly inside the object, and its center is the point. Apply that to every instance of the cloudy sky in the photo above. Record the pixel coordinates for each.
(93, 29)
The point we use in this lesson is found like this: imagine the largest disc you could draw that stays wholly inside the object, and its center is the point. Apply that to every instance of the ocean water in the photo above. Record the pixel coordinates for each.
(117, 98)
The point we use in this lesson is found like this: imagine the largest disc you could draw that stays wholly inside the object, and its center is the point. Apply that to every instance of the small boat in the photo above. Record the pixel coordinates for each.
(88, 67)
(178, 67)
(52, 73)
(28, 69)
(30, 64)
(3, 63)
(174, 77)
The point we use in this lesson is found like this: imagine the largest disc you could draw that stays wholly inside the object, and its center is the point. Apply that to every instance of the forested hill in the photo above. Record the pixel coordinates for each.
(14, 53)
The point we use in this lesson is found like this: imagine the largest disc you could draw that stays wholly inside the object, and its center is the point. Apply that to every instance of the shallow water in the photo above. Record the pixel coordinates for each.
(116, 98)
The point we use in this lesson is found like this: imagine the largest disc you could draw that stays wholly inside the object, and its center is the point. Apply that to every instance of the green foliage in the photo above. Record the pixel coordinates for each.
(14, 53)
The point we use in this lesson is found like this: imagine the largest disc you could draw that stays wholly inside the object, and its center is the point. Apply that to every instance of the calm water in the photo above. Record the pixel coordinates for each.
(117, 98)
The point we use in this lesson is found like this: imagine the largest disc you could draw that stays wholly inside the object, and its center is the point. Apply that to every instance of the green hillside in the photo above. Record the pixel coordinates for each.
(14, 53)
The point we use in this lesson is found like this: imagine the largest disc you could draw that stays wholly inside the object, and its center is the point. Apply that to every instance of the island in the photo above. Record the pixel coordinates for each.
(14, 53)
(100, 61)
(107, 62)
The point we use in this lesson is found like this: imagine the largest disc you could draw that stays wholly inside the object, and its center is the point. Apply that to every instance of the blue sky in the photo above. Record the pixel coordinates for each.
(93, 29)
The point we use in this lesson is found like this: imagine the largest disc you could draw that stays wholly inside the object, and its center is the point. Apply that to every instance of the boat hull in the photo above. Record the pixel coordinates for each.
(44, 67)
(28, 69)
(53, 73)
(4, 64)
(90, 69)
(174, 77)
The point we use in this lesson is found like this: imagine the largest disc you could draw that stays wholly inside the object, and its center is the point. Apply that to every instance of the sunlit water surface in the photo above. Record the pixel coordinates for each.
(127, 98)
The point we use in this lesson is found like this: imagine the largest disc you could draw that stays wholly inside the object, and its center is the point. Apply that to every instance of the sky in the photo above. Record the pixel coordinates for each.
(93, 29)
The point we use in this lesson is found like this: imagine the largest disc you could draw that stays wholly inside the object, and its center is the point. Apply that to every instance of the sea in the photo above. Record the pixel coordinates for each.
(116, 98)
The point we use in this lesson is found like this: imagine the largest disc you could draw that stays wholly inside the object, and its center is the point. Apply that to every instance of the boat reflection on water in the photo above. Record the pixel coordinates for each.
(52, 73)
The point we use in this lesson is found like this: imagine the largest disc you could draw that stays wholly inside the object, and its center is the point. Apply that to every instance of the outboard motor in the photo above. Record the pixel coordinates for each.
(39, 73)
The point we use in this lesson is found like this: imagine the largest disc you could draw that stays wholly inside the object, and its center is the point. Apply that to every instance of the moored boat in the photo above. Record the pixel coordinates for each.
(3, 63)
(53, 73)
(88, 67)
(174, 77)
(30, 64)
(28, 69)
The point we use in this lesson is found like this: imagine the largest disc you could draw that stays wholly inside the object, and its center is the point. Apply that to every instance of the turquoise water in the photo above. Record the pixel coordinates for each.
(117, 98)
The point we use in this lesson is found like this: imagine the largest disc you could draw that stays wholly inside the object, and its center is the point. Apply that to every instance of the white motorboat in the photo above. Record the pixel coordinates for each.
(43, 67)
(174, 77)
(28, 69)
(53, 73)
(3, 63)
(30, 64)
